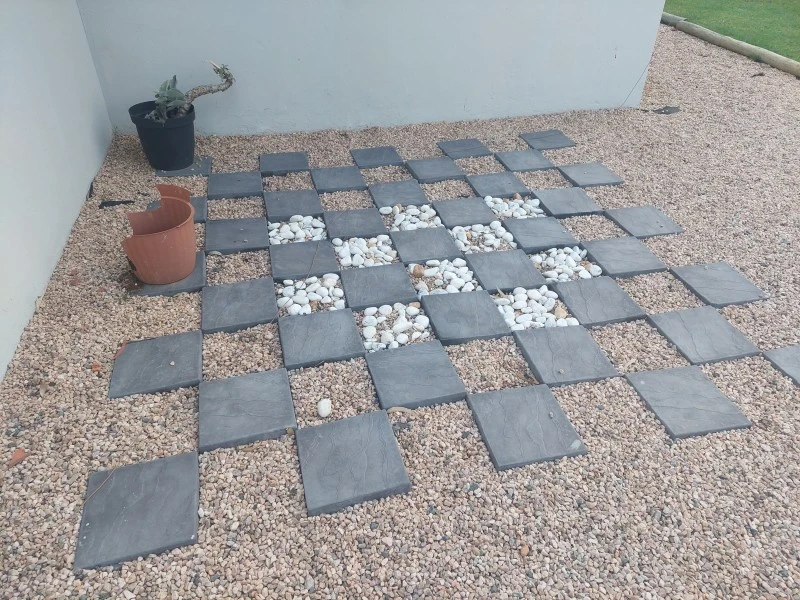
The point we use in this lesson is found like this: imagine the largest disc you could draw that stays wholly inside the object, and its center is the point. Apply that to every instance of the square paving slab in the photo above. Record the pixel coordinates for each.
(564, 355)
(236, 306)
(241, 410)
(381, 156)
(549, 139)
(623, 257)
(283, 163)
(542, 233)
(459, 318)
(687, 402)
(281, 206)
(375, 286)
(497, 185)
(406, 192)
(139, 509)
(464, 211)
(590, 174)
(787, 361)
(567, 202)
(158, 365)
(236, 235)
(703, 335)
(359, 222)
(303, 259)
(643, 221)
(524, 425)
(524, 160)
(200, 204)
(434, 170)
(415, 375)
(310, 340)
(200, 167)
(193, 283)
(718, 284)
(598, 301)
(338, 179)
(350, 461)
(465, 148)
(234, 185)
(420, 245)
(504, 270)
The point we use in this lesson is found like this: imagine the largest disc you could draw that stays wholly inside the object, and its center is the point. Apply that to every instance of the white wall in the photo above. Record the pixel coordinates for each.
(316, 64)
(54, 133)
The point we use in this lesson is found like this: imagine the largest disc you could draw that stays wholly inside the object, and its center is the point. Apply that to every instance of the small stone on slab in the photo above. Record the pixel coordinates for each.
(434, 170)
(282, 163)
(497, 185)
(406, 192)
(234, 185)
(459, 318)
(376, 286)
(359, 222)
(598, 301)
(236, 306)
(328, 336)
(543, 233)
(465, 148)
(381, 156)
(200, 167)
(464, 212)
(228, 236)
(643, 221)
(524, 160)
(194, 282)
(624, 257)
(504, 270)
(590, 174)
(718, 284)
(200, 204)
(281, 206)
(303, 259)
(420, 245)
(338, 179)
(549, 139)
(787, 361)
(567, 202)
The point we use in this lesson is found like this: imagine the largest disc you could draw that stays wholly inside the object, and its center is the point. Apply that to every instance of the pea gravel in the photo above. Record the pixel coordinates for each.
(346, 200)
(240, 266)
(236, 208)
(241, 352)
(489, 365)
(385, 174)
(288, 182)
(659, 292)
(592, 227)
(448, 190)
(548, 178)
(479, 164)
(637, 346)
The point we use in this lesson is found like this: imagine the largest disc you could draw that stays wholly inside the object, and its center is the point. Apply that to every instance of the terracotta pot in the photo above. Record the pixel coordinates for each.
(162, 248)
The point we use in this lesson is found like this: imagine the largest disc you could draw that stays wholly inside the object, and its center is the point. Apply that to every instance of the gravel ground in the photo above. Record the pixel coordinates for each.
(637, 517)
(660, 292)
(242, 352)
(291, 181)
(488, 365)
(592, 227)
(236, 208)
(448, 190)
(346, 200)
(480, 164)
(200, 236)
(385, 174)
(637, 346)
(231, 268)
(548, 178)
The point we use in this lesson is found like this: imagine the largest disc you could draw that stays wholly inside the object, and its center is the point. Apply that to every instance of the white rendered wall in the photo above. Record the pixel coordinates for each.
(317, 64)
(54, 133)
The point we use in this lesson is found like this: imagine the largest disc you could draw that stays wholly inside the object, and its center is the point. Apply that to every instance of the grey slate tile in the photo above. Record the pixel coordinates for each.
(282, 163)
(541, 233)
(200, 204)
(643, 221)
(504, 270)
(598, 301)
(236, 235)
(458, 318)
(524, 160)
(338, 179)
(590, 174)
(497, 185)
(200, 167)
(787, 361)
(464, 211)
(359, 222)
(718, 284)
(235, 185)
(380, 156)
(465, 148)
(623, 257)
(309, 340)
(406, 192)
(567, 202)
(281, 206)
(434, 170)
(548, 139)
(375, 286)
(236, 306)
(303, 259)
(194, 282)
(424, 244)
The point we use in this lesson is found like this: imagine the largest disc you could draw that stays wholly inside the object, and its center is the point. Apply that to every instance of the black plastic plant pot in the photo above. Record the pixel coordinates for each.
(168, 146)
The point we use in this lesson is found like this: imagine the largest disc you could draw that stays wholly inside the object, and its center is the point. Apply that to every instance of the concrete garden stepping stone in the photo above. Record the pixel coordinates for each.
(235, 185)
(549, 139)
(338, 179)
(200, 167)
(350, 461)
(380, 156)
(241, 410)
(420, 245)
(465, 148)
(787, 361)
(703, 335)
(281, 206)
(194, 282)
(590, 174)
(504, 270)
(406, 192)
(564, 355)
(415, 375)
(718, 284)
(434, 170)
(623, 257)
(236, 306)
(303, 259)
(524, 160)
(543, 233)
(158, 365)
(567, 202)
(521, 426)
(643, 221)
(200, 204)
(376, 286)
(236, 235)
(359, 222)
(687, 402)
(598, 301)
(327, 336)
(139, 509)
(497, 185)
(464, 211)
(282, 163)
(459, 318)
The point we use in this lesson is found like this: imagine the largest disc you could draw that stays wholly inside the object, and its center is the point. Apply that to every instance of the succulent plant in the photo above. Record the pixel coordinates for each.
(172, 103)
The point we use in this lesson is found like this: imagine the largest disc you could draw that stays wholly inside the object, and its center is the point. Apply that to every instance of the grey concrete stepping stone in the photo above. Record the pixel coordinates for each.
(549, 139)
(524, 160)
(464, 211)
(158, 365)
(281, 206)
(236, 235)
(703, 335)
(687, 402)
(465, 148)
(193, 283)
(235, 185)
(282, 163)
(420, 245)
(375, 286)
(564, 355)
(406, 192)
(542, 233)
(434, 170)
(200, 167)
(590, 174)
(415, 375)
(328, 336)
(139, 509)
(524, 425)
(598, 301)
(497, 185)
(380, 156)
(236, 306)
(200, 204)
(338, 179)
(359, 222)
(350, 461)
(241, 410)
(718, 284)
(567, 202)
(623, 257)
(303, 259)
(643, 221)
(458, 318)
(504, 270)
(787, 361)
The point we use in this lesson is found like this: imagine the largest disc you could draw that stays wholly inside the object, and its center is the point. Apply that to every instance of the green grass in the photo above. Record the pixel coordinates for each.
(771, 24)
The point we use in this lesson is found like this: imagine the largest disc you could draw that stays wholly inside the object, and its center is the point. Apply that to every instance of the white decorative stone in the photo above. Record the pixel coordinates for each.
(324, 407)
